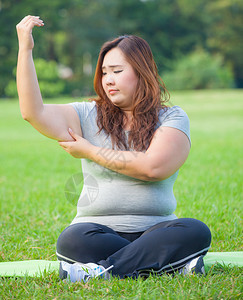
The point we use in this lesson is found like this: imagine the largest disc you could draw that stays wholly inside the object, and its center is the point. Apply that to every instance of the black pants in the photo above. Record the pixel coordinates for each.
(165, 247)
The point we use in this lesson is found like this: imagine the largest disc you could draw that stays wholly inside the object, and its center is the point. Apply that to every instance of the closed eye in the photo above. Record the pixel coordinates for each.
(118, 71)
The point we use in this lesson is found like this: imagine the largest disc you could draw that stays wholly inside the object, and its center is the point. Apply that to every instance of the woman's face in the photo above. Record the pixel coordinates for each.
(119, 80)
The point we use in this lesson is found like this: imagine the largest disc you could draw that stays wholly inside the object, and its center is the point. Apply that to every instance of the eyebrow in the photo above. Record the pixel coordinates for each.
(112, 66)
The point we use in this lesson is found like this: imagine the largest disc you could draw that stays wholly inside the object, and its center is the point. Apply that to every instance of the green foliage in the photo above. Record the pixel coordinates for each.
(11, 89)
(50, 83)
(224, 33)
(199, 70)
(46, 71)
(173, 28)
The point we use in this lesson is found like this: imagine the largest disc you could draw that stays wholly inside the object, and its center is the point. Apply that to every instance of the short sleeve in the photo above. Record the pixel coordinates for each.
(83, 110)
(175, 117)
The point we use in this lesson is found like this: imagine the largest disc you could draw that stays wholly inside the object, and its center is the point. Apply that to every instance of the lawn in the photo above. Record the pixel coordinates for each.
(34, 210)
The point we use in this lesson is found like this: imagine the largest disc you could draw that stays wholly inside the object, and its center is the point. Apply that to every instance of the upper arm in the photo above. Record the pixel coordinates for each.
(54, 121)
(167, 152)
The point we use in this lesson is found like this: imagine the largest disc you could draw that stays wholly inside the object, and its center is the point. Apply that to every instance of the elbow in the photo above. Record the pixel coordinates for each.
(24, 114)
(25, 117)
(151, 175)
(154, 178)
(154, 174)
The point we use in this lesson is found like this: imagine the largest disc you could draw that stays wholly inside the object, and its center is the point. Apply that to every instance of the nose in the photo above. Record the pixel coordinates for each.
(109, 79)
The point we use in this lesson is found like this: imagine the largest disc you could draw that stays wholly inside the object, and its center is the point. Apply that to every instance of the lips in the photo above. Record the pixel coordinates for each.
(112, 91)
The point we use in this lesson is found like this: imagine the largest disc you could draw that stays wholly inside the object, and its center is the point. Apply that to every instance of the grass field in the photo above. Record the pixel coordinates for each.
(34, 210)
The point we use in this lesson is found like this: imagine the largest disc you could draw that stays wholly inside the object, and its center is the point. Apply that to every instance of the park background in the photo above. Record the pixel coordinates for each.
(197, 46)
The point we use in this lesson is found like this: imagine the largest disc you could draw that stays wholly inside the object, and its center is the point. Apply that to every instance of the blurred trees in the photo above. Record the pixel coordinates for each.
(75, 30)
(224, 33)
(50, 83)
(199, 70)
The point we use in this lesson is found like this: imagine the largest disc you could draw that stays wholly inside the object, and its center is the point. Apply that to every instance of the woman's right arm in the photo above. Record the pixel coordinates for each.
(51, 120)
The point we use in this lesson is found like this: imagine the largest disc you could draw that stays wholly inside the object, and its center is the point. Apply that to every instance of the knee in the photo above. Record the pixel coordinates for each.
(72, 240)
(201, 232)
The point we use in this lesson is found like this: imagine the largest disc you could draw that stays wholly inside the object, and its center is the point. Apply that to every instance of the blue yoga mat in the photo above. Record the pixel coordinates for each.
(36, 268)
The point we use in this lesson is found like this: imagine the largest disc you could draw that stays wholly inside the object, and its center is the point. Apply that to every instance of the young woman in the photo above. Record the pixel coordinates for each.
(132, 146)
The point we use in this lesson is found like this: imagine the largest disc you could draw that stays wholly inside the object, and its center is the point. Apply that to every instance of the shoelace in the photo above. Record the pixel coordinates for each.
(105, 270)
(86, 274)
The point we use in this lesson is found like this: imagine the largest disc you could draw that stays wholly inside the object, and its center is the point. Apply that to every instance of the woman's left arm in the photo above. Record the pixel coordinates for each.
(167, 152)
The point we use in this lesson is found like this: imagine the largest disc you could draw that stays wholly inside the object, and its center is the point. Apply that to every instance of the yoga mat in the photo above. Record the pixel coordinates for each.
(36, 268)
(32, 268)
(229, 259)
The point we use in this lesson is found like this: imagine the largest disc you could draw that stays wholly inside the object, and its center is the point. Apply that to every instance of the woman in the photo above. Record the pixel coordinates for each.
(132, 147)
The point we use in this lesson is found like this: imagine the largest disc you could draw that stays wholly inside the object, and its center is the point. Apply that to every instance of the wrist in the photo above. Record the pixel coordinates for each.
(92, 151)
(25, 51)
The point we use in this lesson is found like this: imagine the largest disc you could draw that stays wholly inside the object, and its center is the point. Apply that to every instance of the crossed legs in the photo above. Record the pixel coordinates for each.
(165, 247)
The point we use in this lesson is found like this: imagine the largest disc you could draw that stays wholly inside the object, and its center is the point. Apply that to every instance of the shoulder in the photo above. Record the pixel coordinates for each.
(84, 108)
(175, 117)
(83, 105)
(173, 112)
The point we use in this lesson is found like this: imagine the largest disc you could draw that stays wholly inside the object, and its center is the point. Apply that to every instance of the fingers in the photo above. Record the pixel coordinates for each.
(27, 18)
(29, 22)
(63, 144)
(24, 31)
(73, 135)
(33, 21)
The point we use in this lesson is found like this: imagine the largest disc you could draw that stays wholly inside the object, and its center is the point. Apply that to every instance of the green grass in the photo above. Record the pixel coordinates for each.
(34, 210)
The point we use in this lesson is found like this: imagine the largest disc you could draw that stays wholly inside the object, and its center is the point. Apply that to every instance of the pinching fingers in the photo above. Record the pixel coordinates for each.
(63, 144)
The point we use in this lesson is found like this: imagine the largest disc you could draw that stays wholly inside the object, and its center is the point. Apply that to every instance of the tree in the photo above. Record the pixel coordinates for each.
(75, 30)
(199, 70)
(11, 12)
(224, 35)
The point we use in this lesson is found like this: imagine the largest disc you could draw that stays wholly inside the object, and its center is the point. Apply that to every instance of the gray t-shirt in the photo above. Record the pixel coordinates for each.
(121, 202)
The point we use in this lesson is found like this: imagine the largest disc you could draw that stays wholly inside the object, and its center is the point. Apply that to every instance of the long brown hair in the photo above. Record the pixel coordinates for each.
(149, 97)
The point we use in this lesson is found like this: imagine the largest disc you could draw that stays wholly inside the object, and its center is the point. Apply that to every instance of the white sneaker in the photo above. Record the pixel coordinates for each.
(195, 266)
(82, 272)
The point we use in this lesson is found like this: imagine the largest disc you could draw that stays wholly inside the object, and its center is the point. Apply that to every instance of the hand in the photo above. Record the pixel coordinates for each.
(24, 31)
(79, 148)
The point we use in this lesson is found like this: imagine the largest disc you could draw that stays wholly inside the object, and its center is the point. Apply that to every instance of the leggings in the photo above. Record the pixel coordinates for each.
(165, 247)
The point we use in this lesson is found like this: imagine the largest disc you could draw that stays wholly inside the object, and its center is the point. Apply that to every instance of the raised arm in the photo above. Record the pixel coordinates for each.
(51, 120)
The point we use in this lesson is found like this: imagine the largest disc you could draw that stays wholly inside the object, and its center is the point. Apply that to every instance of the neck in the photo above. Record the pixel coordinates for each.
(128, 120)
